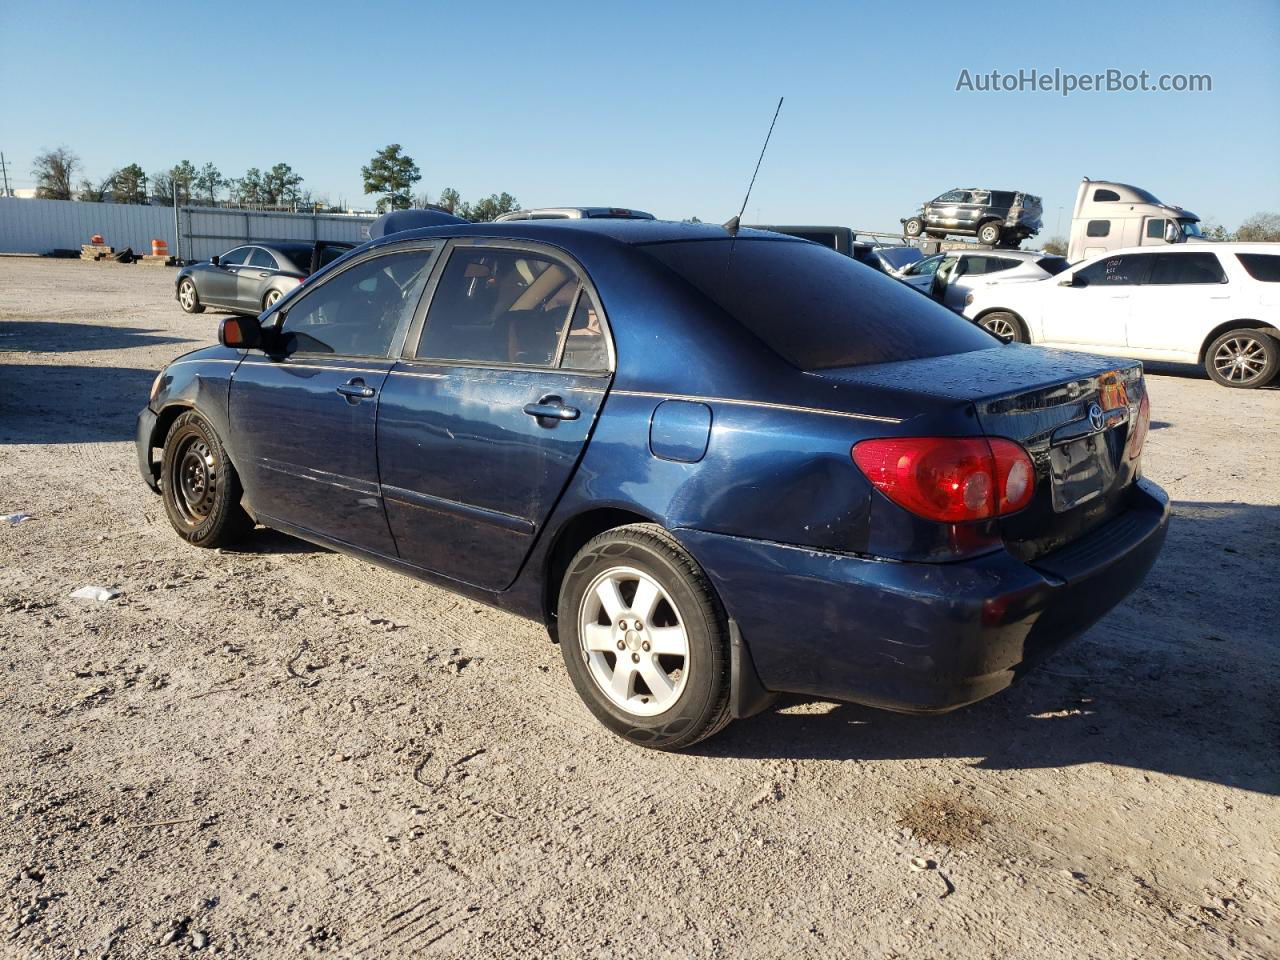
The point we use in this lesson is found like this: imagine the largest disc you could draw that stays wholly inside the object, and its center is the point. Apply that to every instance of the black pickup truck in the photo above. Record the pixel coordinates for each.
(998, 218)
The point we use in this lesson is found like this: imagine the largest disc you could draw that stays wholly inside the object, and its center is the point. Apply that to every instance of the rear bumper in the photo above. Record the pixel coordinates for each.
(919, 637)
(145, 434)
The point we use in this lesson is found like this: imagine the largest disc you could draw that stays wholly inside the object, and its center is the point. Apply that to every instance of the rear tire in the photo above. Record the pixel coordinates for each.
(271, 299)
(989, 233)
(913, 227)
(1243, 358)
(1008, 327)
(645, 639)
(188, 297)
(200, 487)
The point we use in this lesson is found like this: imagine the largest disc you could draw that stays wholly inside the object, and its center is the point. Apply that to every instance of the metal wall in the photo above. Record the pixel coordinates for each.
(38, 226)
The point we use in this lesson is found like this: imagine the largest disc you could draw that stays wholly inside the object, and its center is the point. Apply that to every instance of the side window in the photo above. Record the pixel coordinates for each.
(926, 267)
(498, 306)
(980, 196)
(1187, 268)
(953, 196)
(584, 347)
(263, 259)
(357, 313)
(1261, 266)
(1117, 271)
(1098, 228)
(234, 258)
(1102, 194)
(1155, 229)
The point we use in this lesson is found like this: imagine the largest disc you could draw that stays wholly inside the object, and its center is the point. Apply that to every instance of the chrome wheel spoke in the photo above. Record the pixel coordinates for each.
(668, 640)
(611, 599)
(645, 600)
(659, 684)
(622, 684)
(597, 637)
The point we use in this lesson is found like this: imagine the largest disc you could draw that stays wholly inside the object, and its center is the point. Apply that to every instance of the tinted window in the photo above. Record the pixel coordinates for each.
(1261, 266)
(1155, 229)
(1117, 271)
(498, 306)
(1105, 195)
(1052, 265)
(1002, 198)
(1186, 268)
(815, 308)
(263, 259)
(1098, 228)
(357, 313)
(234, 257)
(584, 347)
(979, 266)
(328, 254)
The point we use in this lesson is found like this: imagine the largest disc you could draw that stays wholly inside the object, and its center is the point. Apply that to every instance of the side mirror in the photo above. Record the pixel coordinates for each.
(214, 259)
(240, 333)
(1173, 232)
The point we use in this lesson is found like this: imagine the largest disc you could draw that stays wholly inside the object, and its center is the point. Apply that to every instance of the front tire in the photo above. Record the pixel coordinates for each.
(200, 487)
(188, 297)
(645, 639)
(913, 227)
(1243, 358)
(1008, 327)
(989, 233)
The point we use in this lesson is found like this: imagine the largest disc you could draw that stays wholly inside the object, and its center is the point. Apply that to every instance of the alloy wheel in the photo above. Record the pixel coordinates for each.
(187, 295)
(999, 327)
(272, 297)
(633, 641)
(1240, 360)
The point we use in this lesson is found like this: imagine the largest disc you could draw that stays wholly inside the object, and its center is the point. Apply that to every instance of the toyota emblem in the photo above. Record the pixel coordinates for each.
(1095, 416)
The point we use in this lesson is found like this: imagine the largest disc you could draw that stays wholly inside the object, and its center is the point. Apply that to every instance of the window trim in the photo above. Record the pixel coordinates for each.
(242, 263)
(397, 339)
(408, 350)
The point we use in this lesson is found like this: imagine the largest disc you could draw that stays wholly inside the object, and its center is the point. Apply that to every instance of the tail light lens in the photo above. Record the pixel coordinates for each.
(1138, 430)
(949, 479)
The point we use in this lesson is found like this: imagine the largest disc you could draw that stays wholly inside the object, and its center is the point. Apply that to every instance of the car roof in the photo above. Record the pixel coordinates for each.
(569, 232)
(1222, 246)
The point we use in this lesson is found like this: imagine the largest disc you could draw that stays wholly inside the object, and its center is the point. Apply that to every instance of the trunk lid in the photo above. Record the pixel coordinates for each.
(1071, 411)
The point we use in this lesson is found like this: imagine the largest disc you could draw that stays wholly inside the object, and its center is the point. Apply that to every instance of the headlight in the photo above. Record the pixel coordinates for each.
(155, 386)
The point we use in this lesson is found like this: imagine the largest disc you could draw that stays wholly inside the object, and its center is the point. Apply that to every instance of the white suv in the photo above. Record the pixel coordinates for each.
(1215, 304)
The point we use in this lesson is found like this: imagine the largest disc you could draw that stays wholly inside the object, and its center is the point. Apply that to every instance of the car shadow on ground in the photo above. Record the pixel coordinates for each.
(54, 403)
(264, 540)
(1189, 371)
(1177, 680)
(51, 336)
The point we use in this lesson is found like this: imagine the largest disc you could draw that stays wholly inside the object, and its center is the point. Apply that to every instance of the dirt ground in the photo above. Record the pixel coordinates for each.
(281, 751)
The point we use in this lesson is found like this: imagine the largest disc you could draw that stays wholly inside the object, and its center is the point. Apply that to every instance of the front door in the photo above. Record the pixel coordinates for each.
(304, 409)
(483, 421)
(1094, 309)
(218, 284)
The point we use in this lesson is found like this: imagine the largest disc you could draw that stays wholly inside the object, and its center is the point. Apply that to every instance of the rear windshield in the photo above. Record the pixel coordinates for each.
(815, 308)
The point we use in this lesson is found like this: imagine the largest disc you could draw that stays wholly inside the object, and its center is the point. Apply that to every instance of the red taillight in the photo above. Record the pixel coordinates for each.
(1138, 429)
(949, 479)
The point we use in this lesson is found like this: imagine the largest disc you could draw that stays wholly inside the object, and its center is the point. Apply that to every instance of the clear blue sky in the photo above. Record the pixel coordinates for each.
(657, 105)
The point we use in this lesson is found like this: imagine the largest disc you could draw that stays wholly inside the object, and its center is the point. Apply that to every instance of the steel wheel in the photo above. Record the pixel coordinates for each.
(633, 641)
(197, 480)
(1240, 360)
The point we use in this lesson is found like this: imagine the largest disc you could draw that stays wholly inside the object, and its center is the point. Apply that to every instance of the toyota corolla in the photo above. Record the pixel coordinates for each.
(717, 466)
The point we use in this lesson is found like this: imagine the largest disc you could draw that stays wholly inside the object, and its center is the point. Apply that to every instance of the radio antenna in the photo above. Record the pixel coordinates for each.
(731, 226)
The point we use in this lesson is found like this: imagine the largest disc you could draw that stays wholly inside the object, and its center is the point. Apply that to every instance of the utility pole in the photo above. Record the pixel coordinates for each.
(4, 171)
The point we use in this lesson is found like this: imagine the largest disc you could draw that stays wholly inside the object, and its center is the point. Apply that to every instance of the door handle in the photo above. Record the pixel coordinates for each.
(263, 276)
(551, 408)
(355, 389)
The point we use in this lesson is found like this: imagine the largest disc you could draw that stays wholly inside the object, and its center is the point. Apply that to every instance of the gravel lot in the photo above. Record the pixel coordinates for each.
(281, 751)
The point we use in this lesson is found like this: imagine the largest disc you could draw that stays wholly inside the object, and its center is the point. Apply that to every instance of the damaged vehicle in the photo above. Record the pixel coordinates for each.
(998, 218)
(718, 467)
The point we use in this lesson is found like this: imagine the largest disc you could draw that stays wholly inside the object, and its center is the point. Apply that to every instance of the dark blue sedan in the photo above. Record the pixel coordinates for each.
(716, 467)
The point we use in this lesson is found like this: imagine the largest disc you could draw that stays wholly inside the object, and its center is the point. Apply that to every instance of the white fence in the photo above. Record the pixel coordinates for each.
(38, 226)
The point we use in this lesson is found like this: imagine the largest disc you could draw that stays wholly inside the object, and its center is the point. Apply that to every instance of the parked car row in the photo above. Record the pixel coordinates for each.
(718, 466)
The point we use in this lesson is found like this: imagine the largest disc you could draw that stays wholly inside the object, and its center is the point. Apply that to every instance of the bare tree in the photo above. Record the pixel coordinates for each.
(1261, 226)
(91, 192)
(54, 171)
(1056, 246)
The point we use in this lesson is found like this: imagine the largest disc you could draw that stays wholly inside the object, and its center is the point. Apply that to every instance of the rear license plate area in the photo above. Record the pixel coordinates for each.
(1080, 471)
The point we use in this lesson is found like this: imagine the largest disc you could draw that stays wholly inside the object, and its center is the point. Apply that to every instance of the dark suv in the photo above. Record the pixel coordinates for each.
(996, 217)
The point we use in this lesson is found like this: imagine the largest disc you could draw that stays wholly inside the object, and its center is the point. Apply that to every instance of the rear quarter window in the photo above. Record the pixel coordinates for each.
(815, 308)
(1261, 266)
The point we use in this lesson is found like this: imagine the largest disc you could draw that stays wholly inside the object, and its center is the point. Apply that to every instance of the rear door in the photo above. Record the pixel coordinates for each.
(305, 410)
(1185, 295)
(1094, 310)
(484, 418)
(252, 280)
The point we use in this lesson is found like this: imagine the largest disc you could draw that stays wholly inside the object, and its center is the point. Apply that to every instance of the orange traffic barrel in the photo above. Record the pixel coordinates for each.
(97, 240)
(159, 248)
